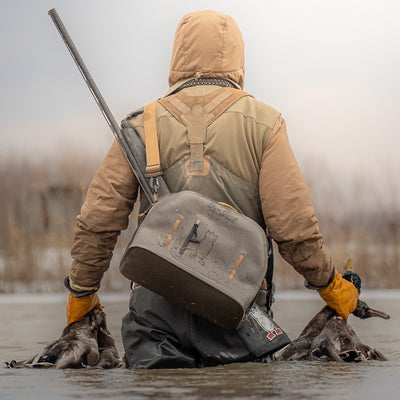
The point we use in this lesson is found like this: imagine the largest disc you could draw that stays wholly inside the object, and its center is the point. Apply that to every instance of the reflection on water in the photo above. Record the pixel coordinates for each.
(35, 321)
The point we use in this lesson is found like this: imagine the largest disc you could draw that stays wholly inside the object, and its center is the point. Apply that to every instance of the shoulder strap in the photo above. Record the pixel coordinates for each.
(151, 139)
(153, 166)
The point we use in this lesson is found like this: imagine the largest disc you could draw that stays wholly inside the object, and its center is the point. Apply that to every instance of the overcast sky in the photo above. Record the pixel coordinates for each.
(332, 68)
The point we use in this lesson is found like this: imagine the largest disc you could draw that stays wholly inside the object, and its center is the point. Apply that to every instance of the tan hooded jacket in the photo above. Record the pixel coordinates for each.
(249, 162)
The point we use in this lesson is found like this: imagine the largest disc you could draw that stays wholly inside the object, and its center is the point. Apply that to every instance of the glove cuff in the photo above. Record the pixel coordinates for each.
(77, 307)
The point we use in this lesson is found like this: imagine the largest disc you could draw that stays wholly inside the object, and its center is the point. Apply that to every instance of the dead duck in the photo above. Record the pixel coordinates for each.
(328, 337)
(299, 349)
(84, 343)
(338, 342)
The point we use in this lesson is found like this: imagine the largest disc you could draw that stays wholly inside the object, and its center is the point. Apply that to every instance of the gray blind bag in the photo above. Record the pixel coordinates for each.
(200, 254)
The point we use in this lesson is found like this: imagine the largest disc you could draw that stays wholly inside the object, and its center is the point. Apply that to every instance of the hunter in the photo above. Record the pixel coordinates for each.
(246, 162)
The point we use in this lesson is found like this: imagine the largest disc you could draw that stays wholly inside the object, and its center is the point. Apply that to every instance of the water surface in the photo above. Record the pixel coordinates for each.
(30, 321)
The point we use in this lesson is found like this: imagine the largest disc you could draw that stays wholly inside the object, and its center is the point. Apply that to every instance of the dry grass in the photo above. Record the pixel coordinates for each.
(359, 217)
(38, 204)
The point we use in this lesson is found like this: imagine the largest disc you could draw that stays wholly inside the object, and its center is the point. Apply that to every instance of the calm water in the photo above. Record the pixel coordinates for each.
(29, 322)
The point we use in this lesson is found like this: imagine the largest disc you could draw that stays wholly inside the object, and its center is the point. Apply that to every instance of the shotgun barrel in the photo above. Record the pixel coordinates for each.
(135, 154)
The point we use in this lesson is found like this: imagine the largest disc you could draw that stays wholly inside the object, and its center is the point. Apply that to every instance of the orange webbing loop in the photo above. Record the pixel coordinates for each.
(153, 166)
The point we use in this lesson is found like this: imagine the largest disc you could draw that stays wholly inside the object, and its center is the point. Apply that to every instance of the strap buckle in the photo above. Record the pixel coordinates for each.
(154, 184)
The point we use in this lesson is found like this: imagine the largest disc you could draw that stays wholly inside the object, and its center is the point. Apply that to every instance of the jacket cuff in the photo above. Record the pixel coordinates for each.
(78, 291)
(308, 285)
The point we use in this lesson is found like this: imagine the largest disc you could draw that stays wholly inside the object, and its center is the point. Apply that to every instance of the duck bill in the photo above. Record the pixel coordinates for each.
(376, 313)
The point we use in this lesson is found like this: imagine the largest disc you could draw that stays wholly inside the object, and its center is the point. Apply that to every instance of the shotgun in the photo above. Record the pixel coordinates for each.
(134, 153)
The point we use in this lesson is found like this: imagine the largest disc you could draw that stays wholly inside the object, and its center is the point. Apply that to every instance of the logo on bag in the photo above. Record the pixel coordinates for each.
(274, 333)
(219, 212)
(264, 322)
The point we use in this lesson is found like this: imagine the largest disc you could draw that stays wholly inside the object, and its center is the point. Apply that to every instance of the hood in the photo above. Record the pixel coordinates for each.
(207, 44)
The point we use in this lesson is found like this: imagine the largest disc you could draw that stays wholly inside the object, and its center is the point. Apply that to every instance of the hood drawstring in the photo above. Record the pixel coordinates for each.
(202, 73)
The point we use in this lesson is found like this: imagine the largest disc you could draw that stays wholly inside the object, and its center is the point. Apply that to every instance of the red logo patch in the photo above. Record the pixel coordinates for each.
(271, 335)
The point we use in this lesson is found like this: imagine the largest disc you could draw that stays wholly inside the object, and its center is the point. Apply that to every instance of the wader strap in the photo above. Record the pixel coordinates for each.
(197, 113)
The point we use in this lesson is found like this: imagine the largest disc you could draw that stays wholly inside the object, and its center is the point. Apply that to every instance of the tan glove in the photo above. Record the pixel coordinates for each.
(341, 295)
(77, 307)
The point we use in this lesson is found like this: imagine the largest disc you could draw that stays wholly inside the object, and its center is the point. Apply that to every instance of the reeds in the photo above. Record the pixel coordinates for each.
(359, 218)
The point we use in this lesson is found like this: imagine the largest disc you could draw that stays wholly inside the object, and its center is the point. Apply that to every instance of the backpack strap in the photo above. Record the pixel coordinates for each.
(197, 113)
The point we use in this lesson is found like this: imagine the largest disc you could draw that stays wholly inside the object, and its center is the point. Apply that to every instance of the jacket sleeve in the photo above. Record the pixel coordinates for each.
(105, 212)
(288, 210)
